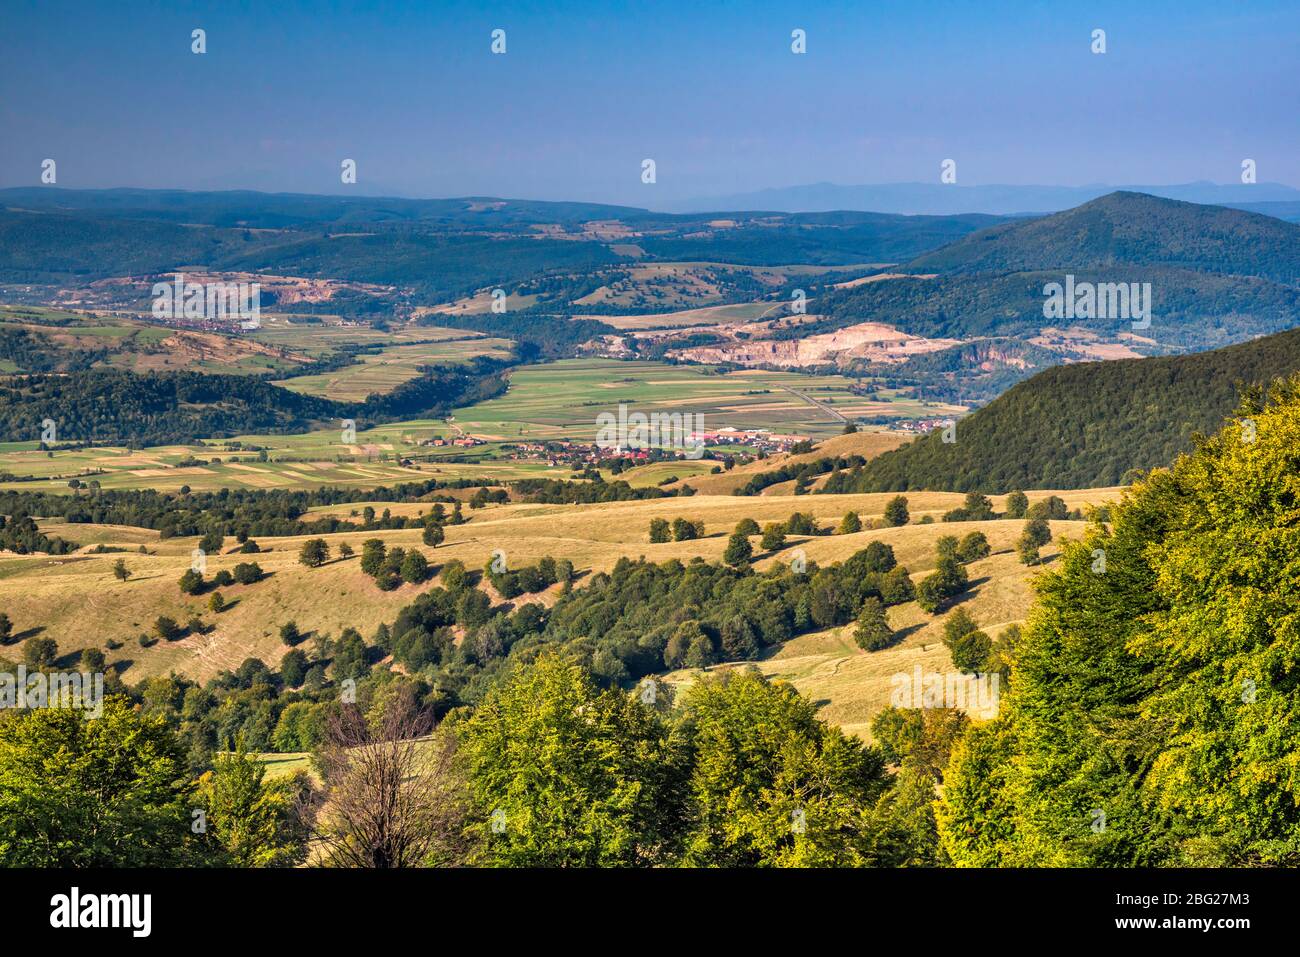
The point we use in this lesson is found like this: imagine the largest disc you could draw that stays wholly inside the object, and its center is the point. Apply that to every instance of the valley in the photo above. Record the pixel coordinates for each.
(885, 463)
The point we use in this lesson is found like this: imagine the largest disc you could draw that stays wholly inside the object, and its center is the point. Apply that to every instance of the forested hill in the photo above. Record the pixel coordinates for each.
(1085, 425)
(1129, 229)
(1217, 276)
(111, 405)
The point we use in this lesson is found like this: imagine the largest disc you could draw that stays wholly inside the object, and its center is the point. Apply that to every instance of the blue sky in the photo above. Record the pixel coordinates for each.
(585, 91)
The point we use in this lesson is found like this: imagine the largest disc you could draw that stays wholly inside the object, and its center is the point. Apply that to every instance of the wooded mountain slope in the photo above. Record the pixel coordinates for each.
(1133, 229)
(1217, 275)
(1083, 425)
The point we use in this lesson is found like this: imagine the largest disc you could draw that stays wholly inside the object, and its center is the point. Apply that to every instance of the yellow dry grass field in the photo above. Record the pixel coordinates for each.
(866, 444)
(76, 600)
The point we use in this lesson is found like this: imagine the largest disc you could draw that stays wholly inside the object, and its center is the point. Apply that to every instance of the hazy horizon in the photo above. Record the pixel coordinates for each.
(584, 93)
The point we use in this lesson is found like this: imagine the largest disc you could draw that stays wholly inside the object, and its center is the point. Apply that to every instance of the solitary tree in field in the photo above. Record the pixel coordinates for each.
(660, 531)
(433, 535)
(1037, 533)
(684, 531)
(1027, 550)
(345, 550)
(1017, 505)
(973, 547)
(373, 554)
(896, 511)
(968, 645)
(773, 537)
(315, 552)
(166, 628)
(851, 524)
(120, 571)
(945, 546)
(40, 653)
(415, 567)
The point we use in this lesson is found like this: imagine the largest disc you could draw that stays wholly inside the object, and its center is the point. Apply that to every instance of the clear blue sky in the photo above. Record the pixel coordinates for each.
(585, 91)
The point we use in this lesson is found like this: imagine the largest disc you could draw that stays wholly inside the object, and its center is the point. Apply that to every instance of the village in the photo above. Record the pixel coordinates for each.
(751, 443)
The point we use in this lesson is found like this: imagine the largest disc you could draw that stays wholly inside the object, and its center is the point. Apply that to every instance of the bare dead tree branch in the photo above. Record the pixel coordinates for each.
(392, 794)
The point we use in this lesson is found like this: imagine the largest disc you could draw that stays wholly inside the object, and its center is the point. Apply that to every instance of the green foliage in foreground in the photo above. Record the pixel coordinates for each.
(1153, 716)
(740, 773)
(114, 790)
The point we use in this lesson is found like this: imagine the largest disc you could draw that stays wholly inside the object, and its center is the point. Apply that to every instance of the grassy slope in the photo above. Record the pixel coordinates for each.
(80, 604)
(866, 444)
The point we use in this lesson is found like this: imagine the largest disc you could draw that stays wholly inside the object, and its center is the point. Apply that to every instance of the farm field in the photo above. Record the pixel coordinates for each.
(563, 399)
(318, 338)
(385, 371)
(293, 461)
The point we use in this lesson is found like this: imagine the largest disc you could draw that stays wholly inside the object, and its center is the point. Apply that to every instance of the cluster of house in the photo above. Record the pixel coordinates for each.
(567, 452)
(921, 425)
(763, 439)
(462, 441)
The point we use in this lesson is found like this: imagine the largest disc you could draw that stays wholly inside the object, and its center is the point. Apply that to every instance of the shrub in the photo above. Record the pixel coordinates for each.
(973, 547)
(896, 511)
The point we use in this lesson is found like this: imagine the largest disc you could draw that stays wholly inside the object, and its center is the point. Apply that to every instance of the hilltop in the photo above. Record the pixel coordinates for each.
(1129, 229)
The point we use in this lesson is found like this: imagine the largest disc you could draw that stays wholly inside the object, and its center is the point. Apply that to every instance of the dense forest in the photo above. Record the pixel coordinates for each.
(550, 770)
(113, 405)
(824, 239)
(1084, 425)
(1134, 229)
(1153, 714)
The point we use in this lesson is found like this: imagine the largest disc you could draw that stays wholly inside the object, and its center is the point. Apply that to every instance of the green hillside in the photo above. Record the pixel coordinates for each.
(1083, 425)
(1132, 229)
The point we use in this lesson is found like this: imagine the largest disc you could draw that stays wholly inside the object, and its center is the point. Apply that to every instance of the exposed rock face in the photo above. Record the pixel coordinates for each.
(868, 340)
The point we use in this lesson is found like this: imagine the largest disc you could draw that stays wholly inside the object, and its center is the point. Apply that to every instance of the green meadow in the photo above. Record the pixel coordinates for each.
(561, 400)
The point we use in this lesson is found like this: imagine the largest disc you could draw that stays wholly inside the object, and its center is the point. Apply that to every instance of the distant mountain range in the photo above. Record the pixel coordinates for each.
(950, 199)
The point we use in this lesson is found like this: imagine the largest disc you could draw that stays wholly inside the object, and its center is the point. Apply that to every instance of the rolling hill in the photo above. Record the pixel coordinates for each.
(1129, 229)
(1216, 275)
